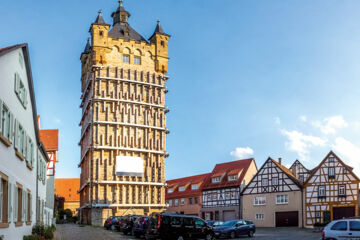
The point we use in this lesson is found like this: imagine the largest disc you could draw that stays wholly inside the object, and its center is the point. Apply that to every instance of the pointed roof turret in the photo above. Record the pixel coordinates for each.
(87, 47)
(120, 15)
(158, 30)
(99, 19)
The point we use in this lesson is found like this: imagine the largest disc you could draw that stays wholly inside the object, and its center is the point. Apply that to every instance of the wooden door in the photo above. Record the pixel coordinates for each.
(343, 212)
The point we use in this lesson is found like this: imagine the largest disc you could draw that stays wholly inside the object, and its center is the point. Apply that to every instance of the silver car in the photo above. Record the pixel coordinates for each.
(342, 229)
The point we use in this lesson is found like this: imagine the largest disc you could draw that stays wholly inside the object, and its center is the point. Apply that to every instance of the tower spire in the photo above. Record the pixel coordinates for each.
(120, 15)
(99, 18)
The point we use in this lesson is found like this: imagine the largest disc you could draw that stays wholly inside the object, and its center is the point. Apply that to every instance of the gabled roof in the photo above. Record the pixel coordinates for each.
(322, 162)
(223, 169)
(119, 30)
(50, 139)
(25, 50)
(67, 188)
(298, 162)
(281, 167)
(187, 182)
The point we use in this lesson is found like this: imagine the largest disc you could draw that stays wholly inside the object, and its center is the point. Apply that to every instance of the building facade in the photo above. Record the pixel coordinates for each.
(273, 198)
(183, 195)
(23, 156)
(299, 171)
(123, 87)
(331, 192)
(66, 191)
(221, 192)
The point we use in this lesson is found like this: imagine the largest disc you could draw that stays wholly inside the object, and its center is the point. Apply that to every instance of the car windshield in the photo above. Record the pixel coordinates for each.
(229, 223)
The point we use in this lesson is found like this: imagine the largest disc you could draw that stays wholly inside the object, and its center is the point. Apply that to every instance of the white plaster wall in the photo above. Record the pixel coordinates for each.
(10, 164)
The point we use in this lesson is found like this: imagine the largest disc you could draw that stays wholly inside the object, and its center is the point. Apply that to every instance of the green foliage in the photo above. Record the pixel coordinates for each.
(48, 234)
(39, 231)
(32, 237)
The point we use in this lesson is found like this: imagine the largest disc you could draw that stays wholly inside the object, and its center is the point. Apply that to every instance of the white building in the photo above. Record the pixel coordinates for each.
(23, 158)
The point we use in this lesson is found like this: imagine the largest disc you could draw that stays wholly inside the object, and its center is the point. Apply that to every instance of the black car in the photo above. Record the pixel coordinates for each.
(235, 228)
(167, 226)
(140, 226)
(128, 224)
(119, 221)
(109, 222)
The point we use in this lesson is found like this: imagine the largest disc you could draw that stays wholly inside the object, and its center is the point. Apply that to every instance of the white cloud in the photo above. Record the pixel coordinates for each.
(301, 143)
(303, 118)
(349, 152)
(242, 152)
(331, 124)
(277, 121)
(288, 165)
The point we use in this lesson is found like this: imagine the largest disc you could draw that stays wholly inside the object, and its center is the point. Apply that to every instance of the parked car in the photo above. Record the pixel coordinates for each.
(109, 222)
(128, 224)
(235, 228)
(168, 226)
(214, 223)
(118, 223)
(342, 229)
(140, 226)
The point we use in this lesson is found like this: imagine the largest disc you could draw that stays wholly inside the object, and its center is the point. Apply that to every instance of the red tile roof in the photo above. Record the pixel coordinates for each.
(226, 169)
(50, 139)
(187, 182)
(68, 188)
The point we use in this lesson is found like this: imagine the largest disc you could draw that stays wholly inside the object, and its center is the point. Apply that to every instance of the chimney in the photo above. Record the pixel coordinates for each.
(280, 161)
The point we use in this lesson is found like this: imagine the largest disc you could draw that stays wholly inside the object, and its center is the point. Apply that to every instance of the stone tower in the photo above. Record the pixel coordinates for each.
(123, 114)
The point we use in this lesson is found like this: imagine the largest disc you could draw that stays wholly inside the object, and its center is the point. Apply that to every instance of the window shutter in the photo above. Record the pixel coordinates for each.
(1, 200)
(16, 134)
(11, 133)
(15, 203)
(17, 83)
(31, 213)
(9, 207)
(23, 206)
(26, 206)
(1, 116)
(25, 98)
(24, 145)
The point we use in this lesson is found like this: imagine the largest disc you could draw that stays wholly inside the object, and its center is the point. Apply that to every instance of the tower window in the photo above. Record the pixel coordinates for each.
(126, 58)
(162, 43)
(101, 33)
(137, 60)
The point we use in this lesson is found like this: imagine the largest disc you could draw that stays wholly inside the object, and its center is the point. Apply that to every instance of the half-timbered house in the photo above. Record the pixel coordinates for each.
(299, 171)
(221, 191)
(273, 198)
(331, 192)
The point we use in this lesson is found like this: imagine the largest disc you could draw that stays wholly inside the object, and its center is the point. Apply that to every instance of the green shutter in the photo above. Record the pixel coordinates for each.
(25, 98)
(17, 83)
(31, 213)
(24, 144)
(16, 134)
(11, 130)
(1, 116)
(9, 207)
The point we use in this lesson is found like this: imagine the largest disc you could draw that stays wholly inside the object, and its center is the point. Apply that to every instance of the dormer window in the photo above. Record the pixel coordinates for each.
(215, 179)
(182, 189)
(232, 178)
(195, 187)
(170, 190)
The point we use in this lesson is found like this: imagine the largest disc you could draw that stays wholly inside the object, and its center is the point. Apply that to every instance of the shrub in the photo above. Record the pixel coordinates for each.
(38, 229)
(48, 233)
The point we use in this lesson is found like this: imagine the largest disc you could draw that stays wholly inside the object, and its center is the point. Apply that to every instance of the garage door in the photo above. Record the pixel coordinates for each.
(228, 215)
(343, 212)
(287, 219)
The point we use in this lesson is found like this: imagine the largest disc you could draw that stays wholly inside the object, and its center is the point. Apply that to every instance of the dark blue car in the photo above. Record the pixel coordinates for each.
(140, 226)
(235, 228)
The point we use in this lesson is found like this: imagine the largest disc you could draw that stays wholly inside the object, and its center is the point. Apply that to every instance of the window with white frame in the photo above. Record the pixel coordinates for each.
(331, 172)
(170, 202)
(194, 187)
(215, 179)
(4, 198)
(6, 119)
(137, 60)
(20, 90)
(182, 189)
(232, 178)
(264, 182)
(321, 191)
(275, 181)
(259, 216)
(214, 196)
(233, 195)
(126, 58)
(259, 201)
(342, 190)
(182, 201)
(282, 199)
(176, 202)
(170, 190)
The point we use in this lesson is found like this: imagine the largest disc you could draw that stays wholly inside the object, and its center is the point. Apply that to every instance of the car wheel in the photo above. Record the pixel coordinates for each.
(180, 238)
(232, 235)
(209, 237)
(251, 233)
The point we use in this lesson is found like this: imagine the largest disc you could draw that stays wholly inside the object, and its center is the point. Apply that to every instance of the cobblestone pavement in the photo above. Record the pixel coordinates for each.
(77, 232)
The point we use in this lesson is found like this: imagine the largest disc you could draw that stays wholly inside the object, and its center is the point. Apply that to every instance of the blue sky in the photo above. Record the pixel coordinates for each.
(248, 78)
